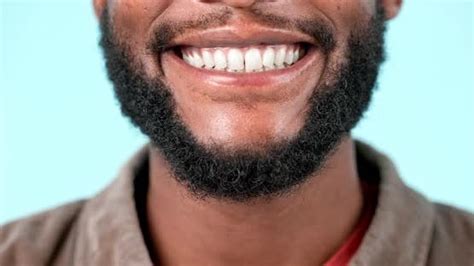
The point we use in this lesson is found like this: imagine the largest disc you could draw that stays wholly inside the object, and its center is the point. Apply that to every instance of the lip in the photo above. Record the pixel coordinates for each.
(238, 36)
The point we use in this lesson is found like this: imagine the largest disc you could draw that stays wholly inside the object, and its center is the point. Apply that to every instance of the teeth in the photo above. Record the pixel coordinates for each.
(208, 59)
(186, 58)
(196, 59)
(245, 59)
(289, 56)
(280, 57)
(296, 55)
(268, 58)
(235, 60)
(253, 60)
(220, 60)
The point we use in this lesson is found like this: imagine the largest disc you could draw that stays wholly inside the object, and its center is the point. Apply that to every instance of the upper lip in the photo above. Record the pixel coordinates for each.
(240, 36)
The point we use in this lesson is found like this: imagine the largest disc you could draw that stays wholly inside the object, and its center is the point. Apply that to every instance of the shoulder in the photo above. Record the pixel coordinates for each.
(459, 223)
(35, 240)
(453, 236)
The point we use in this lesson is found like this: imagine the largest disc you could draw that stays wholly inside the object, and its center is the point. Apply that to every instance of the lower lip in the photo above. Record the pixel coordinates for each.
(266, 81)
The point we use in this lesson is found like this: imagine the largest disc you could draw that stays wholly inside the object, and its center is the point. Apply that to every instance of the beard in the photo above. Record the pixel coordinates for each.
(336, 106)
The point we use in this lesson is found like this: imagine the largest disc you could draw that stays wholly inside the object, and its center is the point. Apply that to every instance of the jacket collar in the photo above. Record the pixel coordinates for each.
(401, 229)
(109, 232)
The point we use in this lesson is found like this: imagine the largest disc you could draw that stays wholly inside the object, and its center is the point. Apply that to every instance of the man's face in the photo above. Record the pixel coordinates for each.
(243, 98)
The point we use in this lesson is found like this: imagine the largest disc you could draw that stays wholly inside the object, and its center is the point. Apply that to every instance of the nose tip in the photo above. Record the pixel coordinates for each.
(234, 3)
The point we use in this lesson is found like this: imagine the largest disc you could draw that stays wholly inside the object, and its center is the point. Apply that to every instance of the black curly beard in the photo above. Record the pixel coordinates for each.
(336, 107)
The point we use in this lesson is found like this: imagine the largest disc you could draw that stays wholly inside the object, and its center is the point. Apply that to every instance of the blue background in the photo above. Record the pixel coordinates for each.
(62, 136)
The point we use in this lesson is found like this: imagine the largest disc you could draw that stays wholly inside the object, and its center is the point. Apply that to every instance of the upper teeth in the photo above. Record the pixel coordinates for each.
(246, 59)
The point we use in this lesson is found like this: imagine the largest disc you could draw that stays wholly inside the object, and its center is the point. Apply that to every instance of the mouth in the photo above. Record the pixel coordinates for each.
(247, 59)
(241, 60)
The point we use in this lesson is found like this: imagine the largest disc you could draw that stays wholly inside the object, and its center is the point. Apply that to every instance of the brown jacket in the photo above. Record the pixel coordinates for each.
(407, 229)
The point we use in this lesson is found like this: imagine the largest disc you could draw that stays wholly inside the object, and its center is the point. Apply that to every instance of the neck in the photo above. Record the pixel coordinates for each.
(303, 228)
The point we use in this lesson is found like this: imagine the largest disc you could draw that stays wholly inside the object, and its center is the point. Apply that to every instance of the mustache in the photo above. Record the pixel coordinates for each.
(317, 28)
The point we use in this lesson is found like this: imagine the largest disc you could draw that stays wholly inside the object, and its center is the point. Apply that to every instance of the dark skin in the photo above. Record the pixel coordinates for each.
(305, 227)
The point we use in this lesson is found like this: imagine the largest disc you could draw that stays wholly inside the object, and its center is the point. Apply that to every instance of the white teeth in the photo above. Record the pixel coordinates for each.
(186, 58)
(253, 60)
(268, 59)
(296, 55)
(219, 59)
(208, 59)
(235, 60)
(196, 59)
(280, 57)
(289, 56)
(245, 59)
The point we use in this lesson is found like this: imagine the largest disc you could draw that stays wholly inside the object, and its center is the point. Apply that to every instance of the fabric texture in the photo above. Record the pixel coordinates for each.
(406, 228)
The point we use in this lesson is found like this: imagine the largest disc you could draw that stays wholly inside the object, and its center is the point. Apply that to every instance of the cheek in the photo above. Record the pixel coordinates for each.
(132, 18)
(133, 21)
(345, 14)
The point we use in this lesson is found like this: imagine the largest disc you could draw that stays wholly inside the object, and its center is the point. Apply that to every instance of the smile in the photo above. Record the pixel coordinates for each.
(251, 63)
(244, 59)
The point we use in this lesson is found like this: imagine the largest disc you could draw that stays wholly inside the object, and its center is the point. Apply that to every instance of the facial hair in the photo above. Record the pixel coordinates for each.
(240, 176)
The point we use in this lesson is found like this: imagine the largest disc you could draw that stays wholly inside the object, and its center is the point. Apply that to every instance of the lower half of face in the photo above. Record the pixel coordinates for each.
(240, 79)
(259, 96)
